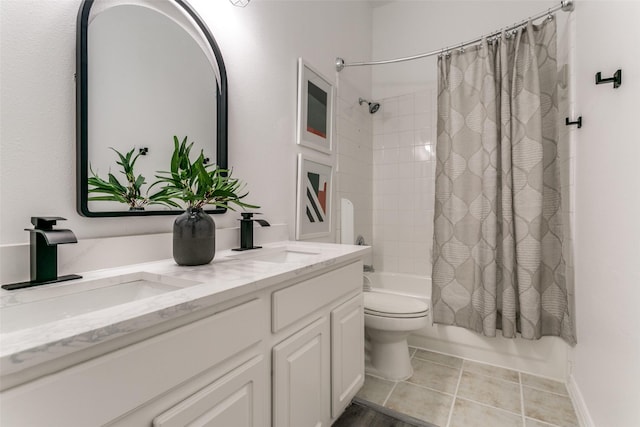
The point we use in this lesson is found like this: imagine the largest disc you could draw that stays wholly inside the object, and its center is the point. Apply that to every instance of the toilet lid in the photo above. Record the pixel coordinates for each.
(391, 305)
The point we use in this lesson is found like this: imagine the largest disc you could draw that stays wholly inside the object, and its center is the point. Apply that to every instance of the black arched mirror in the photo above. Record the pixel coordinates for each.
(147, 71)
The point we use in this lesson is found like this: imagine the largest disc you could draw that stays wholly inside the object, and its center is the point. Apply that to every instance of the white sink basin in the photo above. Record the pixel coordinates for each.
(279, 255)
(39, 306)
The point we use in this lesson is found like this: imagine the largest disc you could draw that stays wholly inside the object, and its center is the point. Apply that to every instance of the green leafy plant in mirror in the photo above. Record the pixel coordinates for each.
(129, 193)
(197, 184)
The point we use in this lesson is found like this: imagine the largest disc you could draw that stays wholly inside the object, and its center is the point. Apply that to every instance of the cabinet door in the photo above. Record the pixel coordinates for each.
(347, 353)
(234, 400)
(301, 378)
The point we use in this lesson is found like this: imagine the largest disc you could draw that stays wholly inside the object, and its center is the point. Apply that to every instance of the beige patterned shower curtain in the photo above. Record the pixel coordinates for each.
(497, 253)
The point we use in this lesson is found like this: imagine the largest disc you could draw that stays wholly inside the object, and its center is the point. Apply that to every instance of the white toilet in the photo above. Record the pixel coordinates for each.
(388, 321)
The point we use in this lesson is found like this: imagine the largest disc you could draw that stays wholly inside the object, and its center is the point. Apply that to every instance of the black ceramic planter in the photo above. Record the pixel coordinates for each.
(194, 238)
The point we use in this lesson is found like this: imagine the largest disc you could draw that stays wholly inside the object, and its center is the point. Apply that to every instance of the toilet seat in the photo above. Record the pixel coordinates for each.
(395, 306)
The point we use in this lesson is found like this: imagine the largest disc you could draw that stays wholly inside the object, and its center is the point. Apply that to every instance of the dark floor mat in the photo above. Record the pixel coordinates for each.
(362, 413)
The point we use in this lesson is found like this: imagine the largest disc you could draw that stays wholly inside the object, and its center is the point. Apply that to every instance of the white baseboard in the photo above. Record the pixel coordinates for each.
(584, 418)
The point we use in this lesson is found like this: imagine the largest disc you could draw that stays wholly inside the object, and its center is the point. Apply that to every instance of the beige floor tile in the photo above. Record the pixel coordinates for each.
(471, 414)
(443, 359)
(433, 375)
(418, 402)
(491, 371)
(530, 422)
(544, 384)
(549, 407)
(490, 391)
(375, 389)
(486, 396)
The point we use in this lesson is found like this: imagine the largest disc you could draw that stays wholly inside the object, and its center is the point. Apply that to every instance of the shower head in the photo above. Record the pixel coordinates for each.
(373, 106)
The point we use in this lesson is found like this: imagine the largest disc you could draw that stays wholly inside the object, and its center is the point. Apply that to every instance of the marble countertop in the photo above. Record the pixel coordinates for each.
(230, 275)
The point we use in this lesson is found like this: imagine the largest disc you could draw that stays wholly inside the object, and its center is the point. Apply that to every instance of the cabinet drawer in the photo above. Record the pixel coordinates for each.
(97, 391)
(293, 303)
(233, 400)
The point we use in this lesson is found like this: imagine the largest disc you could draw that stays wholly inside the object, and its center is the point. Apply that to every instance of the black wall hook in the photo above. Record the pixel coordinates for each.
(577, 122)
(616, 79)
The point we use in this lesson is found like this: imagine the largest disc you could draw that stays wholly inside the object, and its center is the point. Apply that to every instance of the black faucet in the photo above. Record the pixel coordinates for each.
(44, 241)
(246, 231)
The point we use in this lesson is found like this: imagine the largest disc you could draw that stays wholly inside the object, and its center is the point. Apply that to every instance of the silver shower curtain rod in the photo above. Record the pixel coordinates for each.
(565, 5)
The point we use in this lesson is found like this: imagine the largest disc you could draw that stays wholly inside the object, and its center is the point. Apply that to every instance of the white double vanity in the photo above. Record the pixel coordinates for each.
(270, 337)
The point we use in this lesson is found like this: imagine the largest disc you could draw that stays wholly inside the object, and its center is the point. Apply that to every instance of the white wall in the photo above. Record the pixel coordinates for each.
(406, 28)
(606, 369)
(260, 45)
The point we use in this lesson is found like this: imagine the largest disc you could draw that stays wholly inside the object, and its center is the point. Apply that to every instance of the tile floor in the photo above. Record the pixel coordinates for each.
(453, 392)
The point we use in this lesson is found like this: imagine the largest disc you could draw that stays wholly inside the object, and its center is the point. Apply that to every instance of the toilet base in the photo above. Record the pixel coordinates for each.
(388, 355)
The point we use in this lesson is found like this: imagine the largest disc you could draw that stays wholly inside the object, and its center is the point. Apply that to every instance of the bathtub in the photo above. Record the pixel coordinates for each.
(400, 284)
(546, 357)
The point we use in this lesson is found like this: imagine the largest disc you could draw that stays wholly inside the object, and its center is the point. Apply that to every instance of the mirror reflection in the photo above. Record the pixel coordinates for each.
(149, 71)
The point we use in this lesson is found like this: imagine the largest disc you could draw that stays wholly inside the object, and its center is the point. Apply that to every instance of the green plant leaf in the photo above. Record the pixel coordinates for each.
(139, 182)
(115, 183)
(129, 193)
(197, 184)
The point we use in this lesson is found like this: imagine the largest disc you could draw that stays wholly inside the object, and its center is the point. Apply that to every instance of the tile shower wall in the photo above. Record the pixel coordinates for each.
(403, 183)
(354, 160)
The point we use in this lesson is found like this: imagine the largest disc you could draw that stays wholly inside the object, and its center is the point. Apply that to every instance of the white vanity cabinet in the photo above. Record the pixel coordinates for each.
(289, 354)
(317, 369)
(188, 371)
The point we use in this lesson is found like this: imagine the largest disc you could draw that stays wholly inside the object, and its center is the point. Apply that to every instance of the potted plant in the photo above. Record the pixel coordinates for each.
(129, 193)
(197, 184)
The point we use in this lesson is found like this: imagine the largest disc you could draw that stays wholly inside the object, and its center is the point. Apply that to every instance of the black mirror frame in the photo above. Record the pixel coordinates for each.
(82, 166)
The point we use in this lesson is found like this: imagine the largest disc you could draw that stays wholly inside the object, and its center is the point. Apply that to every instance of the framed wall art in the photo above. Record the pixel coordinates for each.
(313, 217)
(315, 109)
